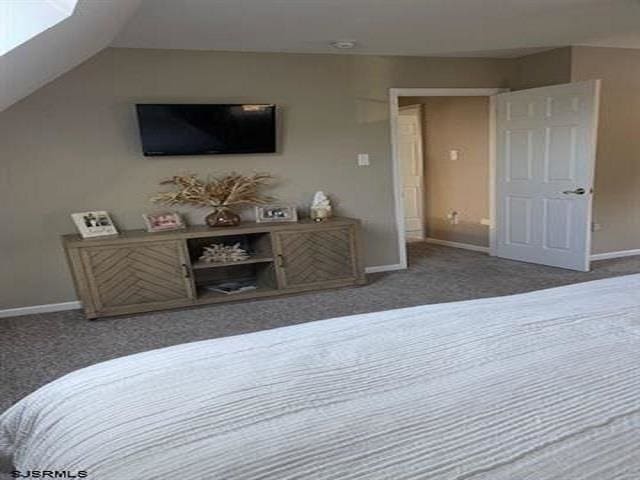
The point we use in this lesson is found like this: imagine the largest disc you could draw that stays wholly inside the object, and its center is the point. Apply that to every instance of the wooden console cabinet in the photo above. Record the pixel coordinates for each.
(138, 271)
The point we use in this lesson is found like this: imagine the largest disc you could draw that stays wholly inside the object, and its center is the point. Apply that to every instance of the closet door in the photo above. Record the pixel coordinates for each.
(138, 276)
(316, 257)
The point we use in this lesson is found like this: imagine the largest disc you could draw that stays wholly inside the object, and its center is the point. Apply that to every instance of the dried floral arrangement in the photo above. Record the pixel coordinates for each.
(229, 190)
(218, 252)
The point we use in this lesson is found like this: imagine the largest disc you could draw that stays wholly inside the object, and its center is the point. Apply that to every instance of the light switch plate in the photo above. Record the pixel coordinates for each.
(363, 160)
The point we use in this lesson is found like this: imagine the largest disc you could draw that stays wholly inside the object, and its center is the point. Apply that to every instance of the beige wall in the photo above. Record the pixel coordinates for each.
(73, 145)
(455, 123)
(550, 67)
(617, 181)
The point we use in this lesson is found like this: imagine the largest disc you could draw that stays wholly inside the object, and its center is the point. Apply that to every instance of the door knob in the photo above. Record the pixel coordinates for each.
(577, 191)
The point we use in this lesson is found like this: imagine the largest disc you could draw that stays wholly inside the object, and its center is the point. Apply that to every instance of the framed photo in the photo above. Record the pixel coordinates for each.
(162, 222)
(94, 224)
(276, 213)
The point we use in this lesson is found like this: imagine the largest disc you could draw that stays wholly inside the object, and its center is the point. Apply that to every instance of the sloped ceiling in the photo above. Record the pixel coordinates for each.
(57, 50)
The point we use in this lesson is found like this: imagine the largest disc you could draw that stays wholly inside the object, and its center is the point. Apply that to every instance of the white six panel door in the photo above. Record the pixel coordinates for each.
(545, 158)
(411, 162)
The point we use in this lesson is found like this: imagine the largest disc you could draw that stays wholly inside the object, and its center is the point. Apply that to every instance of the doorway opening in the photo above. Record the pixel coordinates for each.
(541, 162)
(443, 141)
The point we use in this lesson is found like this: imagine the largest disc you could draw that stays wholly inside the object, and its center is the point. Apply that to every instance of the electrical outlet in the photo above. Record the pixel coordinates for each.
(595, 227)
(485, 221)
(453, 217)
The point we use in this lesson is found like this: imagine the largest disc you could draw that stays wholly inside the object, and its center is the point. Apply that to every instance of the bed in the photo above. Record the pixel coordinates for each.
(538, 386)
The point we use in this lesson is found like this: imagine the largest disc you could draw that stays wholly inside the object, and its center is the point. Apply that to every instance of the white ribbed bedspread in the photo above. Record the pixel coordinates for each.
(539, 386)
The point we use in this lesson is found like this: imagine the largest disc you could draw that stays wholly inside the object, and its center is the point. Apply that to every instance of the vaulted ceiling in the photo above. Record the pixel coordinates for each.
(92, 27)
(499, 28)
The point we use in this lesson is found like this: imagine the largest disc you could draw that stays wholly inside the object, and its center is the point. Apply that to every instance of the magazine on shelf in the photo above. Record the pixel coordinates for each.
(230, 288)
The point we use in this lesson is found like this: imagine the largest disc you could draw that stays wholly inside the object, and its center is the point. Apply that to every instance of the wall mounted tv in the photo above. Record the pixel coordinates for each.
(205, 129)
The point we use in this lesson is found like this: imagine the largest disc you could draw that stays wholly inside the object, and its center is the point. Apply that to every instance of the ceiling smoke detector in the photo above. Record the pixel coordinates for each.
(343, 44)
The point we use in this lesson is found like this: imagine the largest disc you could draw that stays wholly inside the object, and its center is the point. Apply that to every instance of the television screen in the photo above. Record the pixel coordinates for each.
(174, 129)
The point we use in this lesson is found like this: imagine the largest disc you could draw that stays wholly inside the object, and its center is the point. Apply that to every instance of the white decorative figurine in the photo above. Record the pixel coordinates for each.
(320, 207)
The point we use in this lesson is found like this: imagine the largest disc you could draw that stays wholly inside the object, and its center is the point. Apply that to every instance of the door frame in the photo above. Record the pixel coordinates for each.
(394, 94)
(417, 111)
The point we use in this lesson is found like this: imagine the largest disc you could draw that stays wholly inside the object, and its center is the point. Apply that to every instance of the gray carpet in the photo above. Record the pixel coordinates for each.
(39, 348)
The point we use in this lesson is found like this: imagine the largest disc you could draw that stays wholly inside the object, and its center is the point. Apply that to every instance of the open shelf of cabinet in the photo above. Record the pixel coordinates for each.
(200, 265)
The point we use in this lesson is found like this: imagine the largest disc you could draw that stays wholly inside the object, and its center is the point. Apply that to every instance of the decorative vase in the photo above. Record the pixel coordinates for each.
(222, 217)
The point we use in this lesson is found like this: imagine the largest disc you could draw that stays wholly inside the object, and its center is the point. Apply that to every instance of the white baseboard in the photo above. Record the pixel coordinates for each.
(619, 254)
(384, 268)
(465, 246)
(51, 307)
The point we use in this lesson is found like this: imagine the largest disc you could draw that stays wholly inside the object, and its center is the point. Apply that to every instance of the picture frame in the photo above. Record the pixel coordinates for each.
(163, 221)
(95, 223)
(276, 213)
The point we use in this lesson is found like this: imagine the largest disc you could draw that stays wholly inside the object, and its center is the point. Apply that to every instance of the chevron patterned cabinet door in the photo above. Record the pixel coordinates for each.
(137, 274)
(316, 257)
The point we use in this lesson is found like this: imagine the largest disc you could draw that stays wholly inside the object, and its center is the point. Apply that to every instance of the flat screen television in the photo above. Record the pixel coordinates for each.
(204, 129)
